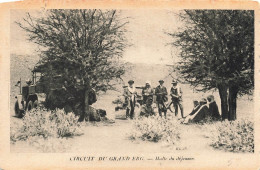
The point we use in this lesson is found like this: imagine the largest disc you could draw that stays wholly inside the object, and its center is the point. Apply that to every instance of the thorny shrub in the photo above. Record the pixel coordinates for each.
(234, 136)
(155, 128)
(45, 124)
(51, 144)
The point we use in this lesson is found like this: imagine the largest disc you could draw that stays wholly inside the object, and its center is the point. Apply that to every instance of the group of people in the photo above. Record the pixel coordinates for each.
(202, 109)
(159, 94)
(205, 108)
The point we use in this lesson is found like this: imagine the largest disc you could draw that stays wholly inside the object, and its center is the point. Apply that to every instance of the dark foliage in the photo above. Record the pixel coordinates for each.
(80, 51)
(217, 52)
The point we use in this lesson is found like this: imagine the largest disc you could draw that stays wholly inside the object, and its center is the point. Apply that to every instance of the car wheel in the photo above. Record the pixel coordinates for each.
(18, 112)
(35, 104)
(30, 105)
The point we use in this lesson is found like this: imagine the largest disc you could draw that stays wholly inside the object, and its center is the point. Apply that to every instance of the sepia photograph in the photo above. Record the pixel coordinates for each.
(170, 87)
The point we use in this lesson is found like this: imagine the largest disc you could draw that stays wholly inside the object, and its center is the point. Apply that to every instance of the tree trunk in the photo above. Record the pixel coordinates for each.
(85, 113)
(224, 102)
(232, 102)
(86, 104)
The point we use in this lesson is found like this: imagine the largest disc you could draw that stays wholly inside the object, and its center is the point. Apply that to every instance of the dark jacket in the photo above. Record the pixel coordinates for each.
(176, 94)
(161, 94)
(201, 114)
(213, 110)
(194, 110)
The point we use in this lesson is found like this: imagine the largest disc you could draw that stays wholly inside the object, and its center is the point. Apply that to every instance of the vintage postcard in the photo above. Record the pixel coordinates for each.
(129, 84)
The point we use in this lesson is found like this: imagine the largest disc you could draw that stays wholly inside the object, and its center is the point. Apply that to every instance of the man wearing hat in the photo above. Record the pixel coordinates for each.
(130, 94)
(147, 92)
(161, 98)
(176, 95)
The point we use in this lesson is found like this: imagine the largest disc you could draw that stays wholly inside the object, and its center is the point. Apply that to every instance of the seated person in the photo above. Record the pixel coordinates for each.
(196, 107)
(147, 109)
(213, 108)
(202, 111)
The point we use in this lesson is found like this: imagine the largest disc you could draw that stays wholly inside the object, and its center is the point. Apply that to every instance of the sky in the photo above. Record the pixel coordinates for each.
(146, 33)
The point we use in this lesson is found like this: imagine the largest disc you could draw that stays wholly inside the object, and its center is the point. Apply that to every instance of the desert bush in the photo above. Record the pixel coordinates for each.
(46, 124)
(66, 123)
(51, 144)
(234, 136)
(155, 128)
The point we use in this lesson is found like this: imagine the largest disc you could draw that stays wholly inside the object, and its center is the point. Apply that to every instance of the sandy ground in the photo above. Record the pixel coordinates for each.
(112, 139)
(104, 137)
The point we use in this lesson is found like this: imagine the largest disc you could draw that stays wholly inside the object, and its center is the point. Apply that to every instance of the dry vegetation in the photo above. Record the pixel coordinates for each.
(155, 128)
(234, 136)
(46, 130)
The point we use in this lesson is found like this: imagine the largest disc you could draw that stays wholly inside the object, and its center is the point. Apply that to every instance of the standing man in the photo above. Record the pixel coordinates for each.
(130, 94)
(161, 98)
(147, 92)
(176, 95)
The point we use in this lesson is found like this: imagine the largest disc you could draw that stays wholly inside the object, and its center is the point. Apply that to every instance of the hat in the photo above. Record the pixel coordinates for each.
(28, 81)
(161, 81)
(174, 82)
(210, 98)
(196, 102)
(148, 82)
(131, 82)
(203, 100)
